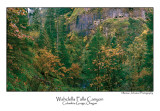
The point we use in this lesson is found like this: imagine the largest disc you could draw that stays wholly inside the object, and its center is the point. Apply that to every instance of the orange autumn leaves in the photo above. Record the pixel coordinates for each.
(13, 15)
(74, 71)
(110, 52)
(108, 60)
(48, 63)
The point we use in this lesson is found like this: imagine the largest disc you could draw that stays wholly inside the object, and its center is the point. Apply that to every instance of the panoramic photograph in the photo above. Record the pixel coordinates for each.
(93, 49)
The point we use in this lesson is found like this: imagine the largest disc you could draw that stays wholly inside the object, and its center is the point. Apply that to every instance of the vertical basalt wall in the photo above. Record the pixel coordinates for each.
(92, 17)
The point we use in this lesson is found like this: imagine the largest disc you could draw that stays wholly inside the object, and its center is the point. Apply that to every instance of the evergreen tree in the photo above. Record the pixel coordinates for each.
(93, 66)
(43, 40)
(50, 27)
(135, 28)
(37, 22)
(49, 58)
(63, 54)
(149, 58)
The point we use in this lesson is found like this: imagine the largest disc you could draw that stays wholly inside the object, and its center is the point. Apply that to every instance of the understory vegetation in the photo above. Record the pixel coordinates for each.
(46, 55)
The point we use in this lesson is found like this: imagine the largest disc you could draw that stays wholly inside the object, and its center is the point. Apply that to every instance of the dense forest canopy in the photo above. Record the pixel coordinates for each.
(79, 49)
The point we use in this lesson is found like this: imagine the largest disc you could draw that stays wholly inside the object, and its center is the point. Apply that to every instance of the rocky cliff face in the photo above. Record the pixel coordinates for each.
(84, 22)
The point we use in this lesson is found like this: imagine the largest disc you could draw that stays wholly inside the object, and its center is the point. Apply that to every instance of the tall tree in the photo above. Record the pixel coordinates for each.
(93, 60)
(37, 22)
(50, 27)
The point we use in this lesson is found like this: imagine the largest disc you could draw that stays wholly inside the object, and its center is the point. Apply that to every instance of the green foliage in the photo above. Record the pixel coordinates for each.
(76, 12)
(37, 22)
(46, 56)
(149, 58)
(74, 46)
(93, 56)
(50, 27)
(63, 55)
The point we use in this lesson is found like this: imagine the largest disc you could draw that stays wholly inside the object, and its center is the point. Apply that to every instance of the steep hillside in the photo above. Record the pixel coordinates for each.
(79, 49)
(83, 20)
